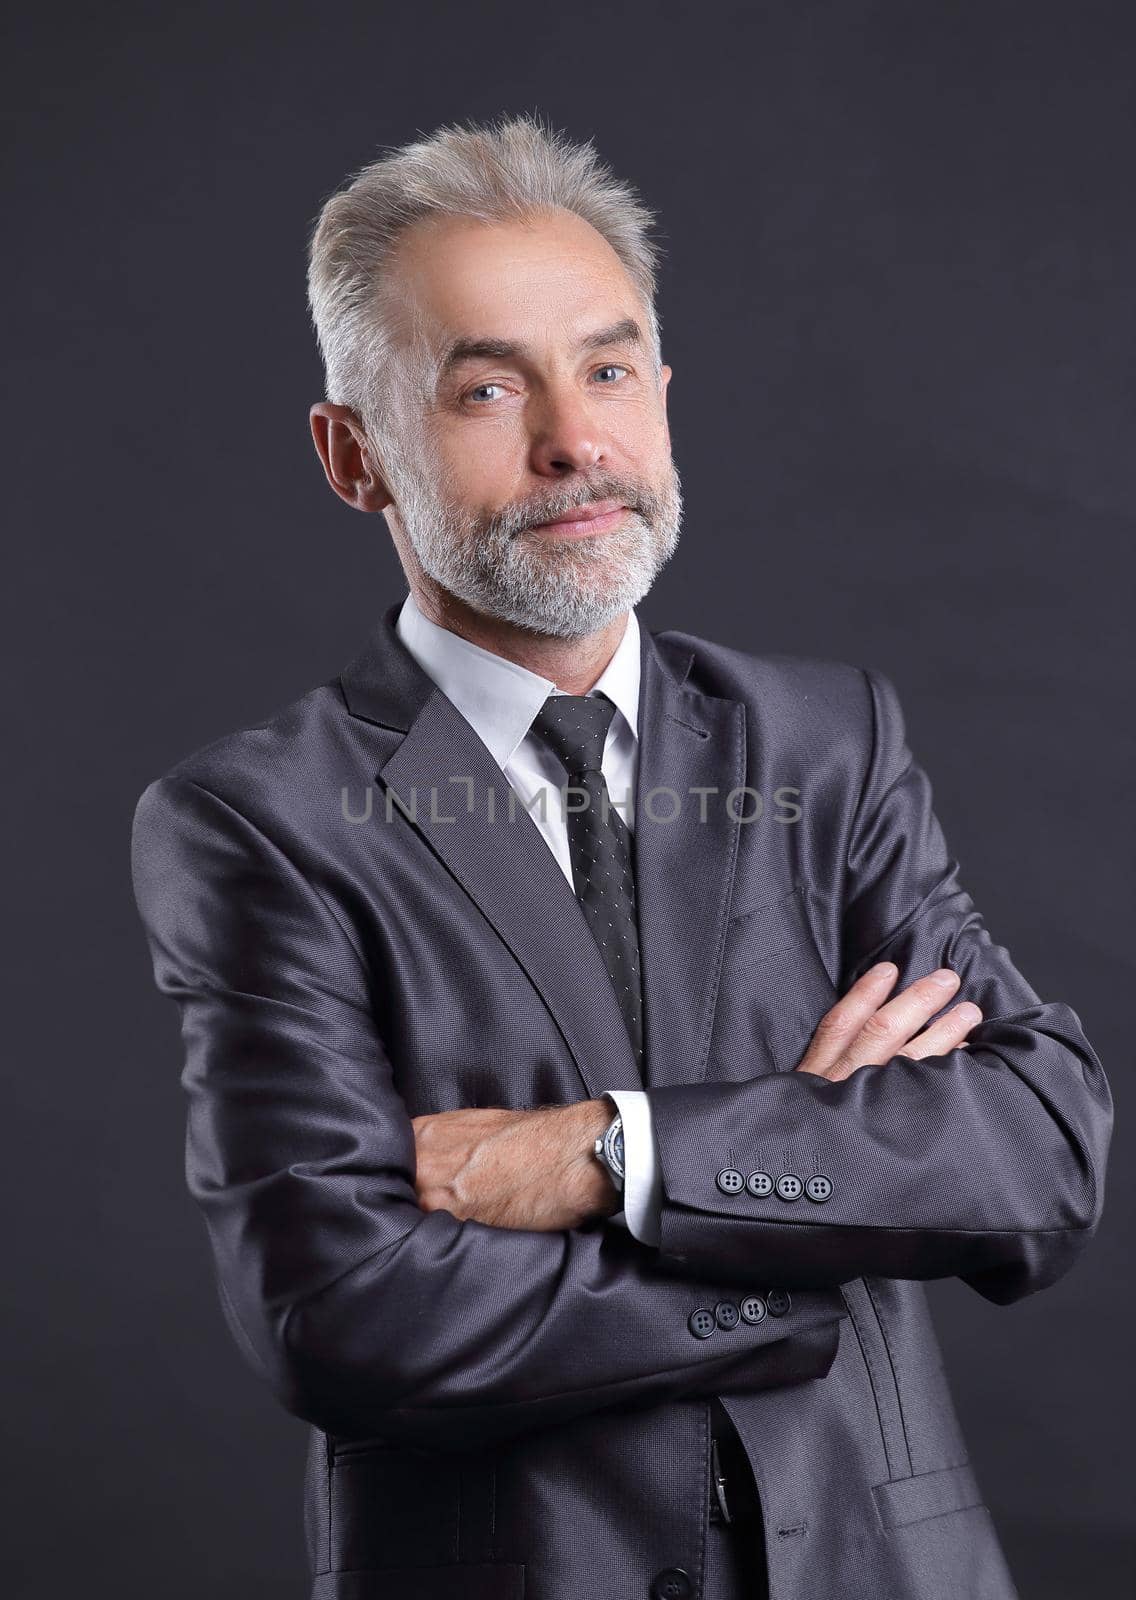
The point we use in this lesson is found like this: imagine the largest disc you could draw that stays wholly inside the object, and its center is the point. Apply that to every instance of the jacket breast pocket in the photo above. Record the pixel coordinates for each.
(774, 925)
(774, 988)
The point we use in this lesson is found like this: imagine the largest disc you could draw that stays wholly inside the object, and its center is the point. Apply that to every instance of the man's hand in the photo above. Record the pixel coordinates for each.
(516, 1169)
(860, 1031)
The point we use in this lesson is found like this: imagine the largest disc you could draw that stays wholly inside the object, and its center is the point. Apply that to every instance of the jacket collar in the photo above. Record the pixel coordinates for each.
(384, 683)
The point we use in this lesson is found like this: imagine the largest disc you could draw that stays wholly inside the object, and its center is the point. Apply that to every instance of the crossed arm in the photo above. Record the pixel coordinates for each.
(536, 1169)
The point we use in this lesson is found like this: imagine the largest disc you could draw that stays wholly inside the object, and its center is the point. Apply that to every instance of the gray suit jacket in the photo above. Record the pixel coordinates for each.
(502, 1413)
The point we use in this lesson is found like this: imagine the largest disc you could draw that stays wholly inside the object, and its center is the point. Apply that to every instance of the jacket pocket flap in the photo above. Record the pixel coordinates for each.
(902, 1501)
(490, 1581)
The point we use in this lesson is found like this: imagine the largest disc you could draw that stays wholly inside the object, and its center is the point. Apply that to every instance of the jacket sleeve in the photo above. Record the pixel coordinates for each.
(986, 1163)
(367, 1315)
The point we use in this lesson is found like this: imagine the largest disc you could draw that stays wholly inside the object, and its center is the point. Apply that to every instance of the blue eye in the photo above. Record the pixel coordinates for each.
(483, 393)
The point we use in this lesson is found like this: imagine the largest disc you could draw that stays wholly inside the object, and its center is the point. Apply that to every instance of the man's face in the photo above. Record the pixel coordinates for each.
(530, 394)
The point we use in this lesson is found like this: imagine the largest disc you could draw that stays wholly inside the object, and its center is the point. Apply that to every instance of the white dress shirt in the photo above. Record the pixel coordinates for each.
(500, 699)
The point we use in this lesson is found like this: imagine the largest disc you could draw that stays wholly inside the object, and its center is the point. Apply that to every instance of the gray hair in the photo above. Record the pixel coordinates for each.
(500, 171)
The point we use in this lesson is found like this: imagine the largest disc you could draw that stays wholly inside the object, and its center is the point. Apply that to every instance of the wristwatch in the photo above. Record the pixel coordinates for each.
(609, 1150)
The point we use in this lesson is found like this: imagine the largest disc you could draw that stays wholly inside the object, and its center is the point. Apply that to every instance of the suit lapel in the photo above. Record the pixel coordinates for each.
(684, 866)
(456, 796)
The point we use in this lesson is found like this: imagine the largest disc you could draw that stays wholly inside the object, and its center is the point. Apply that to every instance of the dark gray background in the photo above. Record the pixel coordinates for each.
(898, 302)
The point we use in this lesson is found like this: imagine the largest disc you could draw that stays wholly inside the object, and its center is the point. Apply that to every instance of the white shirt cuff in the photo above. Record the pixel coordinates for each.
(642, 1182)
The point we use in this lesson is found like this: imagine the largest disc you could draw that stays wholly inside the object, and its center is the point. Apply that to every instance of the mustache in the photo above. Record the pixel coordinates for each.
(514, 519)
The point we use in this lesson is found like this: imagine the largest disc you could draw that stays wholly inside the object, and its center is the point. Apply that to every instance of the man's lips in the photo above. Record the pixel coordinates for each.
(584, 520)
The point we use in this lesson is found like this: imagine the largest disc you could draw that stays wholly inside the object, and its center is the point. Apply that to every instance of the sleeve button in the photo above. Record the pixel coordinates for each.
(726, 1314)
(789, 1186)
(753, 1308)
(759, 1183)
(701, 1323)
(818, 1188)
(730, 1181)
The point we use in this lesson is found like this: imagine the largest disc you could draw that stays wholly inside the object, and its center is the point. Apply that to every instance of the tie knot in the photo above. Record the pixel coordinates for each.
(576, 725)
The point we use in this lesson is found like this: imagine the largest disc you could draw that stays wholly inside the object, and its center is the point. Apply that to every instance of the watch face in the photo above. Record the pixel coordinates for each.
(609, 1148)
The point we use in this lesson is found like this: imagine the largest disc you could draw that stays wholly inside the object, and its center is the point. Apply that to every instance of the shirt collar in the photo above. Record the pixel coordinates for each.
(499, 698)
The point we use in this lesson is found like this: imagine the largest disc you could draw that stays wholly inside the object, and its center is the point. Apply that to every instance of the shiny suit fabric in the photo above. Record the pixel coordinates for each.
(357, 931)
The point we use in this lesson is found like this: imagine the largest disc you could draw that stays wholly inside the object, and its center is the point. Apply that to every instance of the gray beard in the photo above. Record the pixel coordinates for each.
(563, 588)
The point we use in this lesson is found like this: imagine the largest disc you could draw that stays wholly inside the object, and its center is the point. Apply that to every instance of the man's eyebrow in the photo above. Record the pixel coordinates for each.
(625, 331)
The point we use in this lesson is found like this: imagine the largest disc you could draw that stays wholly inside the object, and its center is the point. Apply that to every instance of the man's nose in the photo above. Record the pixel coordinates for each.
(566, 438)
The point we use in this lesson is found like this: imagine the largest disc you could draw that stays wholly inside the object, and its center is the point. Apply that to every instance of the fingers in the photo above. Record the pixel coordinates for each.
(945, 1033)
(843, 1021)
(862, 1030)
(886, 1032)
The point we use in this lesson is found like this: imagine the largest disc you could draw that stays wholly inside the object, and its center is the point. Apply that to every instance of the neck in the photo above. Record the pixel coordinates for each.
(573, 665)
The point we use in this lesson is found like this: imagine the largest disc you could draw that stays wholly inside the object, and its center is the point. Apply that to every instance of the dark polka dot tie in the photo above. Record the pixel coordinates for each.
(599, 843)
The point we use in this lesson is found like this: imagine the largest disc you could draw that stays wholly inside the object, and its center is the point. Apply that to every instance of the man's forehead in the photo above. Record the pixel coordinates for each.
(459, 281)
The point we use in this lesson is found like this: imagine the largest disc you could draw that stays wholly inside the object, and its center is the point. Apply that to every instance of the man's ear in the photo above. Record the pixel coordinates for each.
(345, 453)
(664, 380)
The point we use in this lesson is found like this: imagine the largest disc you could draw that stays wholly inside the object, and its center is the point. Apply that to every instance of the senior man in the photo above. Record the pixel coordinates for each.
(589, 1044)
